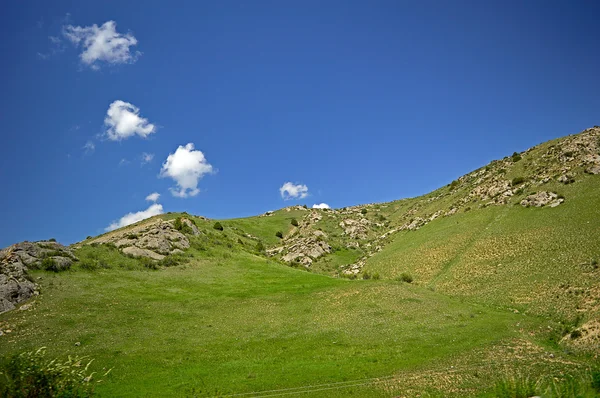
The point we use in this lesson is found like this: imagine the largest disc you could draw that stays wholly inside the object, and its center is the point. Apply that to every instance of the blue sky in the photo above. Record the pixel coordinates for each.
(350, 102)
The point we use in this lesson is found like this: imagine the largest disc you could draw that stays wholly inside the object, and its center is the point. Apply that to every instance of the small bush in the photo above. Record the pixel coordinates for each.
(516, 387)
(88, 237)
(148, 263)
(517, 180)
(405, 277)
(294, 222)
(260, 247)
(240, 241)
(218, 226)
(575, 334)
(453, 185)
(31, 375)
(49, 264)
(366, 275)
(279, 234)
(363, 211)
(376, 276)
(178, 224)
(516, 157)
(132, 236)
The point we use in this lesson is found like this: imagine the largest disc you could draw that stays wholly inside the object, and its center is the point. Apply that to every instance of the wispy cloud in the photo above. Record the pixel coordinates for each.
(130, 218)
(147, 158)
(102, 44)
(153, 197)
(89, 147)
(321, 206)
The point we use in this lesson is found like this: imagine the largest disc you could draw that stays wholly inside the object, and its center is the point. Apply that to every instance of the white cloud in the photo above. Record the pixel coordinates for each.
(186, 166)
(293, 191)
(89, 147)
(123, 162)
(123, 121)
(153, 197)
(130, 218)
(102, 44)
(321, 206)
(147, 157)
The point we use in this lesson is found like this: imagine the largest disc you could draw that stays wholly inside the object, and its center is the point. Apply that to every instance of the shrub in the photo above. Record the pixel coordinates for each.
(405, 277)
(516, 157)
(279, 234)
(89, 237)
(515, 387)
(240, 241)
(453, 185)
(366, 275)
(218, 226)
(363, 211)
(182, 226)
(294, 222)
(260, 247)
(31, 375)
(376, 276)
(148, 263)
(52, 240)
(517, 180)
(49, 264)
(132, 236)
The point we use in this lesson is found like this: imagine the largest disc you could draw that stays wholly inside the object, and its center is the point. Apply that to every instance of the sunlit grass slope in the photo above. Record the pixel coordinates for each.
(543, 260)
(234, 323)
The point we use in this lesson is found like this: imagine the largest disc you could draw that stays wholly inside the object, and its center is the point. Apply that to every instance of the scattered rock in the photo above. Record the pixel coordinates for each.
(542, 198)
(77, 344)
(594, 169)
(357, 229)
(25, 307)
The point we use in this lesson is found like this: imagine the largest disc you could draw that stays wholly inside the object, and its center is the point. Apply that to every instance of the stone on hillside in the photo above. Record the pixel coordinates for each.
(566, 179)
(138, 252)
(542, 198)
(594, 169)
(193, 227)
(154, 240)
(357, 229)
(414, 224)
(15, 260)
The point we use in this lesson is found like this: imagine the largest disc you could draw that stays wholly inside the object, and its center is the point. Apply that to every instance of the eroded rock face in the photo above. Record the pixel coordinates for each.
(15, 260)
(305, 250)
(542, 198)
(357, 229)
(155, 239)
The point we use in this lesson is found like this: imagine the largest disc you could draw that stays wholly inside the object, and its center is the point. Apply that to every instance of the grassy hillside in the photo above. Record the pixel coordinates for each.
(324, 309)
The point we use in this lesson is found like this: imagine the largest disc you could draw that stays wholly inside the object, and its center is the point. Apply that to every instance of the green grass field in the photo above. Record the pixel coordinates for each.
(501, 294)
(245, 324)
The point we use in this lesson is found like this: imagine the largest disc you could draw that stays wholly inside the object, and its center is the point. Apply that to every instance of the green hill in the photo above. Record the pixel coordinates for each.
(460, 292)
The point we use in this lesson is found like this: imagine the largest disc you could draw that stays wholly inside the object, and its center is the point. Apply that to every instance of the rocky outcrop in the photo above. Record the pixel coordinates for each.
(542, 198)
(154, 239)
(15, 285)
(306, 249)
(356, 229)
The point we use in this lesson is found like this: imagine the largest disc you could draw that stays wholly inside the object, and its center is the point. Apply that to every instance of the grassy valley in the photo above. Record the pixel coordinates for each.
(471, 290)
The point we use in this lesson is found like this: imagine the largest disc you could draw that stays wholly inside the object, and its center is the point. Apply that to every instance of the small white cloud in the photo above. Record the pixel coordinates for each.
(123, 162)
(89, 147)
(123, 120)
(153, 197)
(186, 166)
(102, 44)
(130, 218)
(321, 206)
(293, 191)
(56, 47)
(147, 158)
